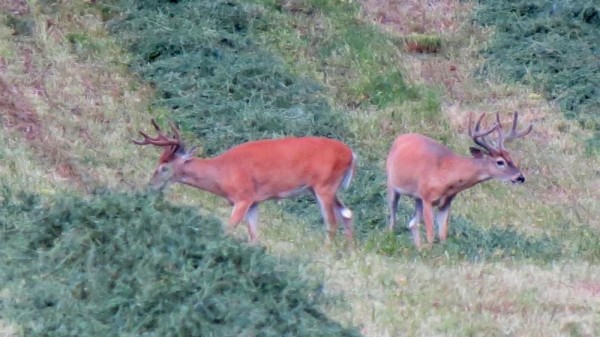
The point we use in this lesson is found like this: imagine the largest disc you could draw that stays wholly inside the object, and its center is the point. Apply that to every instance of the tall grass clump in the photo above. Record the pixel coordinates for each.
(121, 264)
(551, 46)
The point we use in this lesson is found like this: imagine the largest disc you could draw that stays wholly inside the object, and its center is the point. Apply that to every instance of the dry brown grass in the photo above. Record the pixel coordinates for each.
(73, 112)
(410, 16)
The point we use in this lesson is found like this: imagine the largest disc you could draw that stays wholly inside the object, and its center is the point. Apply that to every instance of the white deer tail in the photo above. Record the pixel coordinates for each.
(349, 173)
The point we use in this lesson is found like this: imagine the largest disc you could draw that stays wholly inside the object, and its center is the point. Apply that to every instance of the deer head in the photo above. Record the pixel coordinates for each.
(500, 163)
(174, 151)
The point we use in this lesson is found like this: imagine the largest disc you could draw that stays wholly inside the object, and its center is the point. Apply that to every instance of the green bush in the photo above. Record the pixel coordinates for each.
(118, 264)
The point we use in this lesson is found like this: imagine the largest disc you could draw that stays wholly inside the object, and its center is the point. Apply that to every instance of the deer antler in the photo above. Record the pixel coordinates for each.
(161, 139)
(513, 134)
(479, 136)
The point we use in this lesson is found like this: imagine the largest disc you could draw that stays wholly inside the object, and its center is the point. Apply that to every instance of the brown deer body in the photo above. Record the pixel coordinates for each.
(429, 172)
(261, 170)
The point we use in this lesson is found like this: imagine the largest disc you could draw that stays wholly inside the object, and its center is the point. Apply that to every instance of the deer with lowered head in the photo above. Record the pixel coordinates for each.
(420, 167)
(256, 171)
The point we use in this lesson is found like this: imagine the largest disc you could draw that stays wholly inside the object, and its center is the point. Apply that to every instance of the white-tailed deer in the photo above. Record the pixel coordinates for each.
(429, 172)
(260, 170)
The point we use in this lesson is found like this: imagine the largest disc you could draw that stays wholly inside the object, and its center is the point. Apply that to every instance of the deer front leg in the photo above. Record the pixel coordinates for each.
(240, 209)
(428, 219)
(252, 218)
(442, 219)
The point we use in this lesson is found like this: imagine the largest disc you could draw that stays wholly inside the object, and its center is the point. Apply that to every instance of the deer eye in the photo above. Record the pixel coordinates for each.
(164, 169)
(500, 163)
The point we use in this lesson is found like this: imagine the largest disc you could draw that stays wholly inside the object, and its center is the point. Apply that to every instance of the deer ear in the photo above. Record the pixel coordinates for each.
(477, 153)
(190, 153)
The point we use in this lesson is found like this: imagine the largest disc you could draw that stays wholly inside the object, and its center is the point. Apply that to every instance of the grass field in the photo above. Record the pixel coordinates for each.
(521, 261)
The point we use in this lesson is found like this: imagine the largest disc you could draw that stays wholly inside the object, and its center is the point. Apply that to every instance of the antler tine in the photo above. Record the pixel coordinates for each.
(160, 140)
(479, 136)
(513, 134)
(500, 142)
(175, 131)
(146, 140)
(155, 126)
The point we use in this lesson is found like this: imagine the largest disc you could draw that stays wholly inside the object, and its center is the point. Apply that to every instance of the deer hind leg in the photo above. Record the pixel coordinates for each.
(326, 202)
(393, 198)
(413, 225)
(252, 219)
(345, 215)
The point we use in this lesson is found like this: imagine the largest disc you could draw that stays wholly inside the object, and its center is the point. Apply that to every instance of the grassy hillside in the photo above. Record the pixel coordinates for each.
(81, 78)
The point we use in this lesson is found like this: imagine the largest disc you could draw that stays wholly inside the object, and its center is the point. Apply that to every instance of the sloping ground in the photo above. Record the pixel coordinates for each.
(109, 263)
(535, 273)
(221, 85)
(66, 106)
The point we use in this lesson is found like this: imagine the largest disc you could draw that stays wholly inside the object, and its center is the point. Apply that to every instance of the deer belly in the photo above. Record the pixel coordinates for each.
(407, 192)
(291, 193)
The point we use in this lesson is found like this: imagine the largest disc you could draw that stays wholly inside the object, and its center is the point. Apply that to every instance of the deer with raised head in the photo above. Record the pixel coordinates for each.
(260, 170)
(429, 172)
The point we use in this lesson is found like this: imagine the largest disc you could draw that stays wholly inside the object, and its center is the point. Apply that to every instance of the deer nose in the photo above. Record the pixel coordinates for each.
(519, 179)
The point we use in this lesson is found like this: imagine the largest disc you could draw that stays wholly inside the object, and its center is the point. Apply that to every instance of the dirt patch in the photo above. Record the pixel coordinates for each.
(451, 68)
(8, 330)
(18, 112)
(414, 16)
(14, 7)
(425, 27)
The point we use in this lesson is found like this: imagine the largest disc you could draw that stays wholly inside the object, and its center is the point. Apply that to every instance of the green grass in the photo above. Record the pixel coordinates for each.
(548, 46)
(116, 264)
(214, 77)
(329, 41)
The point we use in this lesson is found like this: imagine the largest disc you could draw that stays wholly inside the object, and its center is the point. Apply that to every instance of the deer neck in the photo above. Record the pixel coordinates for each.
(204, 174)
(470, 172)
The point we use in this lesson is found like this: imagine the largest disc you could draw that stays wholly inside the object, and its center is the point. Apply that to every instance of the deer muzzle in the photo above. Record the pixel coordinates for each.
(518, 179)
